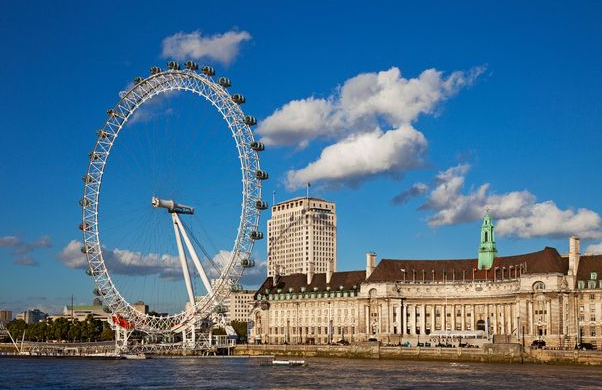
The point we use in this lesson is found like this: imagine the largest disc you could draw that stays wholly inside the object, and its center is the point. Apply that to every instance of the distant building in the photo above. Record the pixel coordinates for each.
(97, 310)
(239, 305)
(32, 316)
(302, 233)
(6, 316)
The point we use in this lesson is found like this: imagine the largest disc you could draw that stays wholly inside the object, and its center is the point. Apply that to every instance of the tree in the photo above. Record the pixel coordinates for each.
(240, 327)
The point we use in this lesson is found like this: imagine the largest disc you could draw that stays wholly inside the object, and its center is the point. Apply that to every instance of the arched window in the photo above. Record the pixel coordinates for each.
(539, 286)
(486, 237)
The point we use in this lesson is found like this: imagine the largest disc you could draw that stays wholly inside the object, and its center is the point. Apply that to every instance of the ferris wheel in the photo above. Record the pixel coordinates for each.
(201, 302)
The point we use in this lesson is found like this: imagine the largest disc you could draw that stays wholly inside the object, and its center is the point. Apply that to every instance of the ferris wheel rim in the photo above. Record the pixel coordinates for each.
(158, 83)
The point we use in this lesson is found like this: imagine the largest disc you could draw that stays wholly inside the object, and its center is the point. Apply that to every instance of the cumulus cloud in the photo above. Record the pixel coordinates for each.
(360, 103)
(125, 262)
(219, 47)
(369, 119)
(22, 250)
(361, 156)
(518, 213)
(133, 263)
(595, 249)
(414, 191)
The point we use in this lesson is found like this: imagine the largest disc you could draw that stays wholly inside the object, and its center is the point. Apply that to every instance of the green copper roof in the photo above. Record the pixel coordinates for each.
(487, 250)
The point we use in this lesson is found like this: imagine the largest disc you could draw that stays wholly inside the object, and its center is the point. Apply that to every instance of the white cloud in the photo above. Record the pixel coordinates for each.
(126, 262)
(361, 156)
(595, 249)
(517, 213)
(384, 101)
(219, 47)
(300, 121)
(414, 191)
(22, 250)
(359, 104)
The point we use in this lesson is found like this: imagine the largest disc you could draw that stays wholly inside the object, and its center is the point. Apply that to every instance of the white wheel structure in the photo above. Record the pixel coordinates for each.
(202, 84)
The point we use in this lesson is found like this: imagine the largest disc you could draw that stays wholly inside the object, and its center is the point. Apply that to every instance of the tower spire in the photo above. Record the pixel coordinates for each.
(487, 250)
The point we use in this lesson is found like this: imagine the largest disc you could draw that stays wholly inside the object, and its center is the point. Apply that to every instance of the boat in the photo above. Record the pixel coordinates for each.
(288, 363)
(133, 356)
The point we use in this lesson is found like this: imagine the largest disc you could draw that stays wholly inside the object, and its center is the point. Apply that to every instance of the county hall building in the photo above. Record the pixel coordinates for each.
(534, 296)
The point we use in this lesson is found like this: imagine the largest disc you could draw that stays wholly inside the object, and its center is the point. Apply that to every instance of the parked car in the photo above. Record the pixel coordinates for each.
(537, 344)
(406, 344)
(420, 345)
(427, 344)
(585, 346)
(343, 342)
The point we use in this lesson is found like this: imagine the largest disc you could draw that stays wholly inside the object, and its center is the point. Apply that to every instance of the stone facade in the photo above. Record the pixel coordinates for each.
(522, 298)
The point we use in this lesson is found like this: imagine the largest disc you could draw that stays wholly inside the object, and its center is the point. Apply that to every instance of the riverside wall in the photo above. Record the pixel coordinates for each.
(492, 353)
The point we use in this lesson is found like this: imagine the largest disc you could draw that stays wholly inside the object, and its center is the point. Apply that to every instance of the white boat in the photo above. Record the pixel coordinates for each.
(133, 356)
(288, 362)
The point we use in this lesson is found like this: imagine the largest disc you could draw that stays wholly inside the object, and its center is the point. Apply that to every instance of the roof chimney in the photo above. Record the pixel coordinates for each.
(310, 273)
(370, 263)
(574, 247)
(329, 271)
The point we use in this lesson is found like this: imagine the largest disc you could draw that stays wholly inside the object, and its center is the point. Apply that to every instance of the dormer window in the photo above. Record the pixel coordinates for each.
(593, 275)
(539, 286)
(581, 284)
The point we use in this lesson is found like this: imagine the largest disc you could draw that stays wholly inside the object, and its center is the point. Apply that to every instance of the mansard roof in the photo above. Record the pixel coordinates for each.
(589, 264)
(350, 280)
(547, 260)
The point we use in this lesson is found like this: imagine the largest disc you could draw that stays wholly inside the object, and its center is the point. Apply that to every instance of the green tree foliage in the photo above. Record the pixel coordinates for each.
(240, 327)
(61, 329)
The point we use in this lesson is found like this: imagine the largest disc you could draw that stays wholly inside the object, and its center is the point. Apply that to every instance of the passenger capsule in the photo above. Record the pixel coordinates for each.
(155, 70)
(89, 272)
(250, 120)
(225, 82)
(87, 249)
(138, 80)
(261, 175)
(255, 235)
(238, 99)
(112, 113)
(88, 179)
(84, 226)
(94, 156)
(173, 65)
(208, 71)
(106, 309)
(219, 309)
(257, 146)
(102, 134)
(261, 205)
(84, 202)
(247, 263)
(191, 65)
(97, 292)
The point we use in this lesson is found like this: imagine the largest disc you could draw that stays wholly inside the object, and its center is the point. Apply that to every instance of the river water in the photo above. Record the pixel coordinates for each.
(243, 373)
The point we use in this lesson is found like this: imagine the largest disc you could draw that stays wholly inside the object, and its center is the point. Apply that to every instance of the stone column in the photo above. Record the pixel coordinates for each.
(404, 319)
(433, 310)
(473, 318)
(530, 317)
(463, 317)
(423, 314)
(549, 318)
(503, 318)
(453, 317)
(413, 320)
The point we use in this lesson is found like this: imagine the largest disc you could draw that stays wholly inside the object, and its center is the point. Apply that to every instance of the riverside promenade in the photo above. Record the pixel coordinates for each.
(493, 353)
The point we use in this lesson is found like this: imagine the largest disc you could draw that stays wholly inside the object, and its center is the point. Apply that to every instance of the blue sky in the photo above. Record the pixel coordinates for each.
(470, 105)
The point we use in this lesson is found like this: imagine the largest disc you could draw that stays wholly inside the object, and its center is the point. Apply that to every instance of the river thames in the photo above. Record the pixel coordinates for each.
(243, 373)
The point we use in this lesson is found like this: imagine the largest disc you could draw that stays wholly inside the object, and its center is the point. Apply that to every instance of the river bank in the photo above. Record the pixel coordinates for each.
(491, 353)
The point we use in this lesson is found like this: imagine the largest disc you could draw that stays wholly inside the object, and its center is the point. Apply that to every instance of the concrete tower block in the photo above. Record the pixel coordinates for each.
(370, 263)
